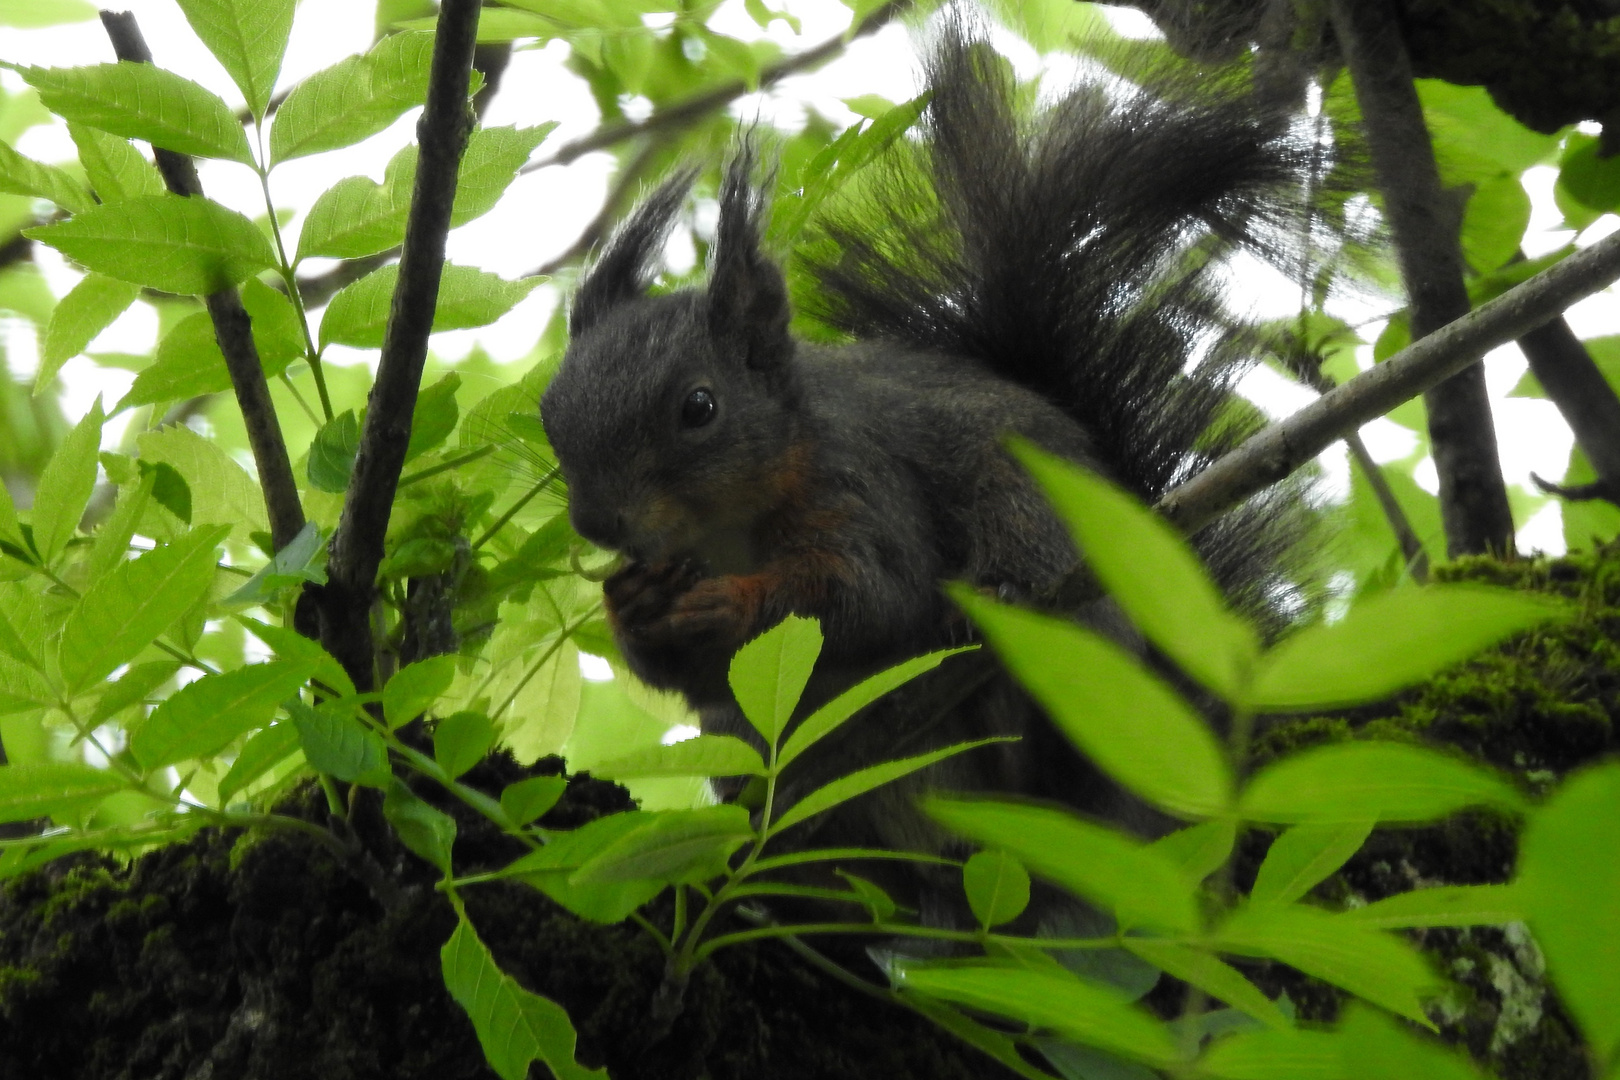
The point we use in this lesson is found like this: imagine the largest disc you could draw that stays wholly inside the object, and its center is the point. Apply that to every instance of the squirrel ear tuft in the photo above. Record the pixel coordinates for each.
(747, 299)
(621, 272)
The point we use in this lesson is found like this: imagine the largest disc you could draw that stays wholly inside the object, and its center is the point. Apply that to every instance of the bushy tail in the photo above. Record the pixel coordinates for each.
(1075, 253)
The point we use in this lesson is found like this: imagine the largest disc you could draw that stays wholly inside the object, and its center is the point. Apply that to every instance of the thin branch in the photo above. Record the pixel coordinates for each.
(1560, 362)
(1417, 560)
(1426, 222)
(357, 547)
(232, 327)
(1284, 446)
(694, 108)
(612, 207)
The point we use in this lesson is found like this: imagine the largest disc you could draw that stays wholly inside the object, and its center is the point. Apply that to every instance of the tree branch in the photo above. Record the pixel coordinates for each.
(684, 112)
(1426, 223)
(1282, 447)
(1573, 382)
(357, 547)
(232, 327)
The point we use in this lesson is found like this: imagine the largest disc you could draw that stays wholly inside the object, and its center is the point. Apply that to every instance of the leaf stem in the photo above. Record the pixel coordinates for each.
(500, 522)
(446, 466)
(284, 269)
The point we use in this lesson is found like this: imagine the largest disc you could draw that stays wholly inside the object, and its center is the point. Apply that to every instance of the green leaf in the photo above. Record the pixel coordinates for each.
(1370, 781)
(221, 490)
(1494, 222)
(248, 38)
(705, 755)
(1473, 139)
(261, 753)
(768, 675)
(1303, 856)
(415, 688)
(997, 887)
(427, 832)
(88, 309)
(143, 101)
(1444, 905)
(357, 217)
(825, 720)
(31, 14)
(358, 314)
(117, 171)
(1389, 641)
(121, 613)
(551, 870)
(671, 846)
(1199, 850)
(332, 454)
(491, 163)
(23, 688)
(1210, 974)
(529, 799)
(187, 246)
(1569, 876)
(879, 904)
(52, 788)
(1102, 865)
(1277, 1054)
(354, 98)
(861, 781)
(21, 175)
(1375, 1047)
(337, 743)
(292, 566)
(434, 418)
(135, 685)
(189, 362)
(169, 489)
(65, 486)
(1139, 730)
(10, 531)
(1148, 567)
(461, 740)
(1371, 964)
(1077, 1010)
(514, 1026)
(1588, 175)
(289, 644)
(202, 717)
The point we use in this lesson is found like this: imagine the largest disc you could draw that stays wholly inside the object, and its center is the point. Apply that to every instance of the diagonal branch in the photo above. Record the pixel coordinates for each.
(1282, 447)
(232, 327)
(693, 108)
(357, 547)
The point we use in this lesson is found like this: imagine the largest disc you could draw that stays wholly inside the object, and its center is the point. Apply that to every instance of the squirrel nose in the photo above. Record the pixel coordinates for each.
(602, 526)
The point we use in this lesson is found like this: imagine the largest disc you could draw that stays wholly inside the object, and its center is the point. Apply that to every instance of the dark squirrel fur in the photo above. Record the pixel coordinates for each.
(1051, 279)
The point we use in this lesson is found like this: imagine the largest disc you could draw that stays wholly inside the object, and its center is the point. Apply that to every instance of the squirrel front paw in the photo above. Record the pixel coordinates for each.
(674, 603)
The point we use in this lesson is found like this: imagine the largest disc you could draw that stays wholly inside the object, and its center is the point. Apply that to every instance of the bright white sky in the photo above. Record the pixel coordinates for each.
(543, 212)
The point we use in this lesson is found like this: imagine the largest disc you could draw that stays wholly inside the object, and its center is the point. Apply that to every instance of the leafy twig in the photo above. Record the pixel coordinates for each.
(232, 327)
(357, 548)
(1284, 446)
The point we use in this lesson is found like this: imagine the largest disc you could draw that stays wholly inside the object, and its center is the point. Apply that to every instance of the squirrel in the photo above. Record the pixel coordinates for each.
(1052, 279)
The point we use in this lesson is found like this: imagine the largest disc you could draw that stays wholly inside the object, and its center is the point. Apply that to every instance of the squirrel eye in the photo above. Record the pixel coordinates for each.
(698, 408)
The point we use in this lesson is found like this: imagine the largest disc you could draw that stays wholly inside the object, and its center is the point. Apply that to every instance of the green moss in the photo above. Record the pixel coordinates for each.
(1536, 707)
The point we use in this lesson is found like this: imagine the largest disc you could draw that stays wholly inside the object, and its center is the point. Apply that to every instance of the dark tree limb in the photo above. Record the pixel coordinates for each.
(694, 108)
(1426, 224)
(357, 547)
(1282, 447)
(232, 327)
(1588, 403)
